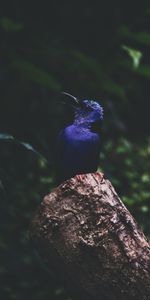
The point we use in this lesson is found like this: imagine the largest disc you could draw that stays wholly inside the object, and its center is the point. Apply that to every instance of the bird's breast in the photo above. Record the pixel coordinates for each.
(81, 145)
(80, 150)
(82, 135)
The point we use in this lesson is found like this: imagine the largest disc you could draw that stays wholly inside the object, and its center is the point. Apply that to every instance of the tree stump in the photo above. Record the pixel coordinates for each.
(85, 233)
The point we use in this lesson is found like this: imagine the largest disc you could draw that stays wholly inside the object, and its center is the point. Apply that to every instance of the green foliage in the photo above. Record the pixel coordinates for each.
(142, 69)
(36, 74)
(4, 137)
(128, 165)
(9, 25)
(140, 37)
(134, 54)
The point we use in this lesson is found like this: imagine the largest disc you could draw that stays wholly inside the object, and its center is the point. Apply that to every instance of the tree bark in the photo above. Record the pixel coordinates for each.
(85, 233)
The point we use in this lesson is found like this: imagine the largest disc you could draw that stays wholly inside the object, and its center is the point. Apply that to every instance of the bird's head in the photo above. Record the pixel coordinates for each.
(87, 113)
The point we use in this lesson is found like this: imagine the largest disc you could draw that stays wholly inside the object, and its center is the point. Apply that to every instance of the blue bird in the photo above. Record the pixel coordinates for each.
(79, 143)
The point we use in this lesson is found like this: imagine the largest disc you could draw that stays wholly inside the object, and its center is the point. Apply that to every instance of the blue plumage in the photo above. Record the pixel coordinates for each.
(79, 143)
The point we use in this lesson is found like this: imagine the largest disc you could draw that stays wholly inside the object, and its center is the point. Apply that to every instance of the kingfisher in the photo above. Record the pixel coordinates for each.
(79, 143)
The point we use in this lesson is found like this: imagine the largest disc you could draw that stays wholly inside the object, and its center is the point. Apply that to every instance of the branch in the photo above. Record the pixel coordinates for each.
(86, 234)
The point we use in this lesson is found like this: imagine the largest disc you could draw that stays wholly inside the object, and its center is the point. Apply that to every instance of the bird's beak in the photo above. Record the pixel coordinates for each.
(74, 99)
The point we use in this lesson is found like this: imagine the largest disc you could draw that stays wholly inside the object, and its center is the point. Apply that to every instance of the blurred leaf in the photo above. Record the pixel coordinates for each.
(36, 74)
(128, 201)
(136, 55)
(100, 74)
(9, 25)
(112, 87)
(141, 37)
(7, 137)
(145, 178)
(46, 179)
(30, 148)
(142, 70)
(144, 209)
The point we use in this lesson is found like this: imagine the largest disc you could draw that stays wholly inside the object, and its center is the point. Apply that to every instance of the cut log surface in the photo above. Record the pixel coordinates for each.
(86, 234)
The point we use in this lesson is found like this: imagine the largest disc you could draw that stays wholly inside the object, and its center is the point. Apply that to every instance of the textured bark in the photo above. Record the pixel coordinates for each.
(85, 233)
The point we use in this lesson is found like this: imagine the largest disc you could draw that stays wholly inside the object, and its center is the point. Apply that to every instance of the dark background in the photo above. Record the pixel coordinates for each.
(90, 50)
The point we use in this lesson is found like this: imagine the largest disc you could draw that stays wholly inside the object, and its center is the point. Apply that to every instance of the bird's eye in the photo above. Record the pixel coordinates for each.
(96, 126)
